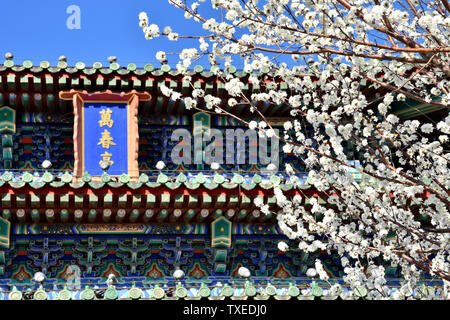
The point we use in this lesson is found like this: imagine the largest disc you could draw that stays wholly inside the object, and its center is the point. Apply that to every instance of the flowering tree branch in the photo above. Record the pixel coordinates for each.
(348, 66)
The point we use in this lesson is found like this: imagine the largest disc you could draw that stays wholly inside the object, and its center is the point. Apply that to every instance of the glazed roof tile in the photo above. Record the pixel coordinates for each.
(310, 290)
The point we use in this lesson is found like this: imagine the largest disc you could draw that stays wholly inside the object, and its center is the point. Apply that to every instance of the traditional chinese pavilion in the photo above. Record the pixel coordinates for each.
(81, 198)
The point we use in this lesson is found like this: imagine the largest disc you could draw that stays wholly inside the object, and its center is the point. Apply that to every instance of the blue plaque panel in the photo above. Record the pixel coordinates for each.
(105, 128)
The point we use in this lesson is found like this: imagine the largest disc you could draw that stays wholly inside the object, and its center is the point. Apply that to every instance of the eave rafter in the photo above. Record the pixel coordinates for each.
(145, 204)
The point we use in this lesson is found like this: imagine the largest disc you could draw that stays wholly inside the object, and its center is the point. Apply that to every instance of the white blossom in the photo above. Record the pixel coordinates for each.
(160, 165)
(351, 99)
(161, 56)
(252, 125)
(427, 128)
(215, 166)
(283, 246)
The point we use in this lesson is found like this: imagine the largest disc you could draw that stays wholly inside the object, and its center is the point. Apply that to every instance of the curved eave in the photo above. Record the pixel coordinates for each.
(169, 201)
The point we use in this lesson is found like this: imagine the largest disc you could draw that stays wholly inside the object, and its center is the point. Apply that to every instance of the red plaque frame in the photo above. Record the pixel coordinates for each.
(132, 98)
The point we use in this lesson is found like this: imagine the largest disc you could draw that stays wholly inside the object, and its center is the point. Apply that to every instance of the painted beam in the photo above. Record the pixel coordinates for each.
(78, 215)
(271, 201)
(50, 215)
(220, 255)
(221, 199)
(99, 82)
(159, 104)
(124, 84)
(136, 201)
(149, 85)
(254, 215)
(122, 200)
(209, 87)
(50, 102)
(6, 214)
(50, 199)
(206, 200)
(233, 200)
(189, 215)
(134, 215)
(113, 84)
(255, 88)
(93, 201)
(92, 216)
(185, 87)
(120, 215)
(149, 213)
(217, 213)
(20, 214)
(204, 213)
(20, 200)
(26, 101)
(24, 82)
(220, 268)
(64, 200)
(197, 84)
(75, 83)
(165, 200)
(245, 201)
(38, 101)
(87, 83)
(62, 82)
(12, 99)
(175, 215)
(162, 215)
(108, 200)
(179, 199)
(6, 200)
(78, 201)
(192, 201)
(11, 82)
(64, 215)
(35, 215)
(106, 215)
(220, 88)
(171, 106)
(230, 213)
(151, 199)
(242, 215)
(137, 84)
(48, 82)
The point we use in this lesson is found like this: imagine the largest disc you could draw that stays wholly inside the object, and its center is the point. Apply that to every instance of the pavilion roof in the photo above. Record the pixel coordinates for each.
(35, 88)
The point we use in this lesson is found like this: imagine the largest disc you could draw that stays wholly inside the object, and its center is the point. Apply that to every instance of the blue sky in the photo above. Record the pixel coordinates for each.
(36, 30)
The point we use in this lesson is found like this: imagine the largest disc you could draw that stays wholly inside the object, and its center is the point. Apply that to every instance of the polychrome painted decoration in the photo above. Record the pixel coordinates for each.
(221, 233)
(4, 233)
(105, 137)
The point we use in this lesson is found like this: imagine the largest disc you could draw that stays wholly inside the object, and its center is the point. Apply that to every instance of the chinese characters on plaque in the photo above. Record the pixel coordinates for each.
(106, 140)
